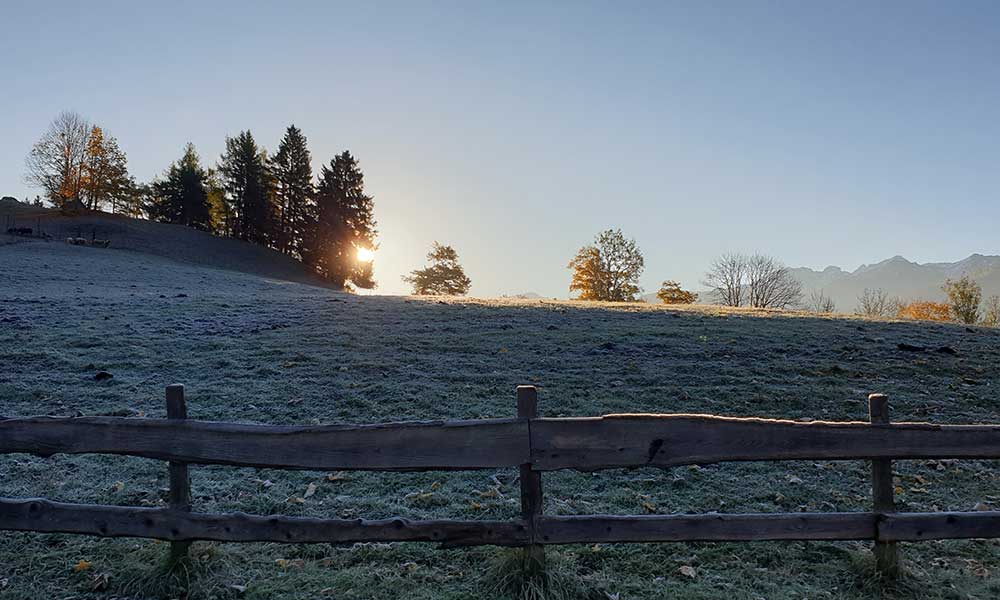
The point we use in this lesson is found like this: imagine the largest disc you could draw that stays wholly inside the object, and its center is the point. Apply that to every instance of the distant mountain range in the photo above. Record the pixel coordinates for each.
(899, 277)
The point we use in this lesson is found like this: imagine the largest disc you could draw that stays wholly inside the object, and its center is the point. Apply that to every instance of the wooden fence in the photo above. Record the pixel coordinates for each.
(533, 444)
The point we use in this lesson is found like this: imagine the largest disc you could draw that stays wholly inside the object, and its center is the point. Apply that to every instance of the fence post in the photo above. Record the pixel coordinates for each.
(531, 481)
(886, 553)
(180, 483)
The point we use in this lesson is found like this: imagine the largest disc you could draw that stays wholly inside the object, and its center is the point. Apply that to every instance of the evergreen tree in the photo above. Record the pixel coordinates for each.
(182, 197)
(344, 223)
(249, 186)
(291, 168)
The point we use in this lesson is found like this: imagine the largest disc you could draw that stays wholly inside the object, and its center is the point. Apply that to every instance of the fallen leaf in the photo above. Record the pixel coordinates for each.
(688, 571)
(296, 500)
(310, 490)
(981, 506)
(649, 506)
(794, 479)
(338, 476)
(118, 486)
(83, 565)
(436, 485)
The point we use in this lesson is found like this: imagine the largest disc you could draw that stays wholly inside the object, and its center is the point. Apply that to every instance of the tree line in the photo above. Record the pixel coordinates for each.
(965, 304)
(609, 270)
(326, 222)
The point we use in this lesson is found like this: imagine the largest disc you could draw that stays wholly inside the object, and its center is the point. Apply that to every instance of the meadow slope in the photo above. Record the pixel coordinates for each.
(254, 349)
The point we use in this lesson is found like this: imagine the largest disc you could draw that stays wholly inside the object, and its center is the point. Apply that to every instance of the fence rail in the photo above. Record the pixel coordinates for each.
(533, 444)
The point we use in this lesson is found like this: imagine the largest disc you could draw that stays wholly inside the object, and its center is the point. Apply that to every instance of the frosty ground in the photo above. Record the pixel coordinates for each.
(260, 350)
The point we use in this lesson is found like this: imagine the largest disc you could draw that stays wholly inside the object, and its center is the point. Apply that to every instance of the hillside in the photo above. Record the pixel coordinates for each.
(254, 349)
(164, 240)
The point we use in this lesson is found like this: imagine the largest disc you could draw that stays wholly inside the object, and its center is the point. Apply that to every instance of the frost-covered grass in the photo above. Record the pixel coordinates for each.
(255, 350)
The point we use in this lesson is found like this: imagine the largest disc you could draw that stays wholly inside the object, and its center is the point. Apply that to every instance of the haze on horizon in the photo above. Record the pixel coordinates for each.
(819, 133)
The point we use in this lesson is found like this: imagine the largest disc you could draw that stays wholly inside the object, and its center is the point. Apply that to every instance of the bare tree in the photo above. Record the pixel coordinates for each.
(876, 303)
(770, 284)
(753, 280)
(725, 279)
(55, 163)
(821, 303)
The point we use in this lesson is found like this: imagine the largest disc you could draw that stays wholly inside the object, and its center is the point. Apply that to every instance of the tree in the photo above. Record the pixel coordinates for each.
(991, 314)
(755, 280)
(104, 178)
(444, 276)
(182, 197)
(343, 225)
(877, 304)
(925, 311)
(671, 293)
(249, 188)
(770, 284)
(55, 162)
(292, 171)
(725, 279)
(964, 295)
(608, 270)
(821, 303)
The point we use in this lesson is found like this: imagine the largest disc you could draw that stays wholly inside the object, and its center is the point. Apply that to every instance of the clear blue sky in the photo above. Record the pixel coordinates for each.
(820, 132)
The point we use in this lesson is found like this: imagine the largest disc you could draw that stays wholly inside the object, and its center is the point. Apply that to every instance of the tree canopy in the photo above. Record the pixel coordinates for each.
(608, 269)
(671, 293)
(182, 196)
(291, 168)
(444, 275)
(344, 223)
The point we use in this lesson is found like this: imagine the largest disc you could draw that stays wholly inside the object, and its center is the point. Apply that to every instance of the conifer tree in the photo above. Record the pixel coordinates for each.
(344, 223)
(249, 186)
(291, 168)
(182, 197)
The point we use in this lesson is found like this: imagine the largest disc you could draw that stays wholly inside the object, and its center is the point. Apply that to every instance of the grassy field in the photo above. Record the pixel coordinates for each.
(257, 350)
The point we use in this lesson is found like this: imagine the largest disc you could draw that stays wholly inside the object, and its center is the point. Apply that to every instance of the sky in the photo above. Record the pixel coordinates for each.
(822, 133)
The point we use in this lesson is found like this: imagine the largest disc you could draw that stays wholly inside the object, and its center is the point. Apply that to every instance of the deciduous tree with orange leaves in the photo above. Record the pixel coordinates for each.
(925, 311)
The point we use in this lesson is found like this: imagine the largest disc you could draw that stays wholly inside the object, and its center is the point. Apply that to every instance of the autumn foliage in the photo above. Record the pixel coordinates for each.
(925, 311)
(671, 293)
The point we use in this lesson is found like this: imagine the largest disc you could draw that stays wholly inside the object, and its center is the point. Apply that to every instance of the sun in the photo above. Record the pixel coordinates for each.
(366, 255)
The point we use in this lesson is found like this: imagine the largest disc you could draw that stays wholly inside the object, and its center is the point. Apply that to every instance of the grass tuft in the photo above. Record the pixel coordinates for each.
(516, 574)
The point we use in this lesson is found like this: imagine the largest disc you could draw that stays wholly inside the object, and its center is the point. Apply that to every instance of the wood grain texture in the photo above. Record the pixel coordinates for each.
(915, 527)
(616, 441)
(708, 527)
(45, 516)
(440, 445)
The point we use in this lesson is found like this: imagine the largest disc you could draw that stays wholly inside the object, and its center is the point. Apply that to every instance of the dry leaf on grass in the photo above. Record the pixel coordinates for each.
(83, 565)
(310, 490)
(688, 571)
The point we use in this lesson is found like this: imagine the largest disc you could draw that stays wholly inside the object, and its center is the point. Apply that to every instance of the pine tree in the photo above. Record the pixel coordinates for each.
(291, 168)
(249, 186)
(182, 197)
(344, 224)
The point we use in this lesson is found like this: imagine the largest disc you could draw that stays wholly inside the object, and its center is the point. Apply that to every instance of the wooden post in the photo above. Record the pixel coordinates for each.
(886, 553)
(531, 481)
(180, 483)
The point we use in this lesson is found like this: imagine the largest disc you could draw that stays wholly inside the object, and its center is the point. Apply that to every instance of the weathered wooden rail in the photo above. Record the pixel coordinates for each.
(533, 444)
